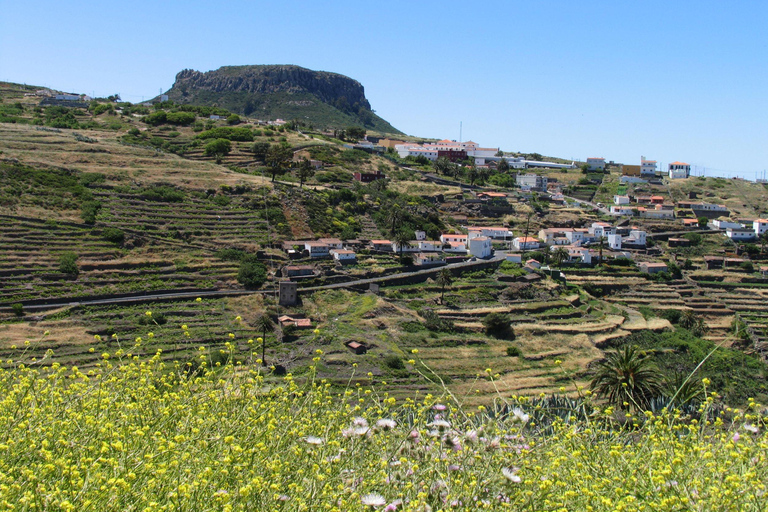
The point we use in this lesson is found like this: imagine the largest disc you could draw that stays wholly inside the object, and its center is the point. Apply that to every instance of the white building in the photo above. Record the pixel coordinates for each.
(738, 234)
(598, 229)
(725, 224)
(619, 200)
(647, 167)
(343, 255)
(495, 232)
(679, 170)
(636, 238)
(514, 258)
(409, 247)
(316, 249)
(332, 243)
(525, 243)
(622, 210)
(596, 164)
(430, 245)
(614, 242)
(480, 247)
(428, 258)
(420, 235)
(533, 181)
(760, 226)
(453, 237)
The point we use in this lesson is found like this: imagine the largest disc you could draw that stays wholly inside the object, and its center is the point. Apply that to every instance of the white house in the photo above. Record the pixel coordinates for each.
(456, 247)
(497, 233)
(453, 237)
(381, 245)
(647, 167)
(553, 235)
(679, 170)
(578, 236)
(532, 181)
(760, 226)
(480, 247)
(525, 243)
(420, 235)
(332, 243)
(725, 224)
(622, 210)
(430, 245)
(738, 234)
(596, 164)
(428, 258)
(598, 229)
(409, 247)
(619, 200)
(514, 258)
(636, 238)
(343, 255)
(614, 242)
(317, 249)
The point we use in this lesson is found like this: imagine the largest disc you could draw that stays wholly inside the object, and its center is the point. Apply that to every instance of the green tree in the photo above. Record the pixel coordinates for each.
(68, 264)
(444, 278)
(355, 133)
(498, 325)
(627, 376)
(503, 165)
(264, 324)
(234, 119)
(703, 221)
(218, 148)
(252, 273)
(260, 150)
(601, 241)
(305, 171)
(278, 159)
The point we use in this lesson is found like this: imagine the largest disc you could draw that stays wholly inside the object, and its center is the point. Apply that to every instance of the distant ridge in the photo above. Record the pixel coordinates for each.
(281, 91)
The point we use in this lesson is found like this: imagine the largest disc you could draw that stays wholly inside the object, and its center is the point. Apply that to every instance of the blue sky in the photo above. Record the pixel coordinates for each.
(682, 80)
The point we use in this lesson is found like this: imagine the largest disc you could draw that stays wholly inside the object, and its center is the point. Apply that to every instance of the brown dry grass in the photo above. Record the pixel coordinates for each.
(119, 163)
(62, 331)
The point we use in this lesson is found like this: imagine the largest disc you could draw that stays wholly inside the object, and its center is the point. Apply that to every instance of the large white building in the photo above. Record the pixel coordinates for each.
(647, 167)
(480, 247)
(532, 181)
(679, 170)
(596, 164)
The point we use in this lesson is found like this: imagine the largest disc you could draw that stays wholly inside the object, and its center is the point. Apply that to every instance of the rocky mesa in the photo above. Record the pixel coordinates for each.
(281, 91)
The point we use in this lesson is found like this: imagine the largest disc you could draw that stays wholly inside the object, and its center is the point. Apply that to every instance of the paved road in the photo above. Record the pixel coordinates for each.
(167, 296)
(603, 209)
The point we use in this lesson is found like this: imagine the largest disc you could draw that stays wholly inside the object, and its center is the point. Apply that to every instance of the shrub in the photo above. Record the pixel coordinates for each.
(68, 264)
(164, 194)
(252, 273)
(88, 211)
(514, 351)
(498, 325)
(394, 362)
(18, 309)
(114, 235)
(231, 254)
(747, 266)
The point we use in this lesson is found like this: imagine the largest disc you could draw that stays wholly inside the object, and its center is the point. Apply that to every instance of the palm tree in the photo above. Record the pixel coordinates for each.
(627, 376)
(559, 255)
(472, 174)
(264, 324)
(401, 239)
(691, 321)
(394, 217)
(444, 278)
(763, 242)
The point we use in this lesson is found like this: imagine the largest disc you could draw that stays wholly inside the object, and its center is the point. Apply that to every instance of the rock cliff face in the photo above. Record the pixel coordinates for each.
(270, 91)
(329, 87)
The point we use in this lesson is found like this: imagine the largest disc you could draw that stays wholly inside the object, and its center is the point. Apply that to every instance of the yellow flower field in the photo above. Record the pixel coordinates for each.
(136, 434)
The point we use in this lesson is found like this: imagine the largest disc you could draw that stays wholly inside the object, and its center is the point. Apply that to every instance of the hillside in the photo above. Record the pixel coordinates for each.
(327, 100)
